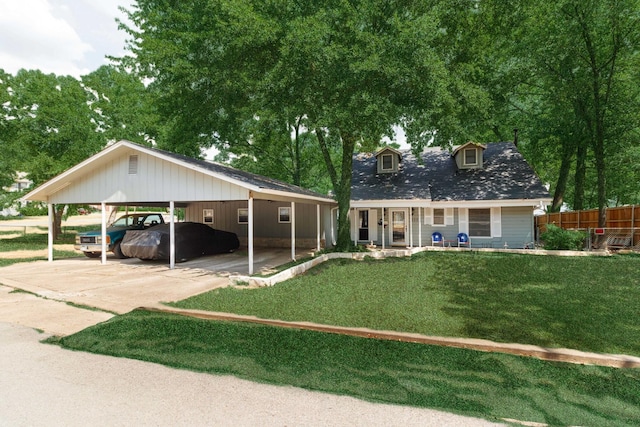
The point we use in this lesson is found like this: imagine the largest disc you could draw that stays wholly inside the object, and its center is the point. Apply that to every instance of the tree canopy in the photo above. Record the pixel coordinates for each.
(348, 71)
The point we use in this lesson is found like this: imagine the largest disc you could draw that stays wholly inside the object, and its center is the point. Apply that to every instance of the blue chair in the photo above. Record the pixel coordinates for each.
(463, 240)
(436, 239)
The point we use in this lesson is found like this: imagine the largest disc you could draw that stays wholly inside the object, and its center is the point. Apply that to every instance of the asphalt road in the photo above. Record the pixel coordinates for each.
(44, 385)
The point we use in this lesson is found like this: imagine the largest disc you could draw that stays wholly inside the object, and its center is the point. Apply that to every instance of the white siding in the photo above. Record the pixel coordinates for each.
(157, 180)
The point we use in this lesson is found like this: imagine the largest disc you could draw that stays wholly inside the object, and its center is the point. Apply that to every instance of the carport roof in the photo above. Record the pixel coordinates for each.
(252, 182)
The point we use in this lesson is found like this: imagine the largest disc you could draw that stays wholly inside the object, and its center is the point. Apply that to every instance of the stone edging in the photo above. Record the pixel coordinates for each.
(385, 253)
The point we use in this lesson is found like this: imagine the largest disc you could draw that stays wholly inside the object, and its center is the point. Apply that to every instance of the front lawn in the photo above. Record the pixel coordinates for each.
(489, 385)
(585, 303)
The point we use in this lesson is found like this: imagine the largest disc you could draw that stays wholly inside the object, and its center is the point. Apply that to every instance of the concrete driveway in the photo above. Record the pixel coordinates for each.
(117, 287)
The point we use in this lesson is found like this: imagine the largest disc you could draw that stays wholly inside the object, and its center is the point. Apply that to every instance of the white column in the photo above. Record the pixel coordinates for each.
(411, 227)
(420, 227)
(293, 231)
(250, 232)
(172, 235)
(103, 233)
(318, 228)
(383, 230)
(50, 231)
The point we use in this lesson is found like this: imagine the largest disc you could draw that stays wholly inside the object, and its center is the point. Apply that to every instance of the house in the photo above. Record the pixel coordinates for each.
(261, 211)
(488, 192)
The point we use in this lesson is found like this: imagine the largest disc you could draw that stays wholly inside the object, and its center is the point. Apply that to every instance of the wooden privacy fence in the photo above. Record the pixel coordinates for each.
(621, 231)
(619, 217)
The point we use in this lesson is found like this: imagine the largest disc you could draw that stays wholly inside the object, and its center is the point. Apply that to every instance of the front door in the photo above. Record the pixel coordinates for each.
(363, 225)
(398, 227)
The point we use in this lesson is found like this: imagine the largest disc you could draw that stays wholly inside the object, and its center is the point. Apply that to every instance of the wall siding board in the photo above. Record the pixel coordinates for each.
(157, 181)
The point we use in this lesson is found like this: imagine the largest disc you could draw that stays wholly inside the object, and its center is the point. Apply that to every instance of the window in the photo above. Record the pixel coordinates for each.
(438, 217)
(480, 222)
(470, 156)
(284, 215)
(243, 216)
(387, 162)
(207, 216)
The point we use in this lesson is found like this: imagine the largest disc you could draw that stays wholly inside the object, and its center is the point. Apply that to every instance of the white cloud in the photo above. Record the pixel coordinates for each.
(59, 36)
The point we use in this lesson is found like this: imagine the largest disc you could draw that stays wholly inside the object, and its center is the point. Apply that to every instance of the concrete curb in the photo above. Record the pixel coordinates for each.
(549, 354)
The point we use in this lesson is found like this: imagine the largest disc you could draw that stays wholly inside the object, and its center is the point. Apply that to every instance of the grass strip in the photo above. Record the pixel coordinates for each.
(586, 303)
(488, 385)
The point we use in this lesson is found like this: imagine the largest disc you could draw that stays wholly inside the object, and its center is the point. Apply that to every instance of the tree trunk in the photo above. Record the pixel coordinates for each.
(58, 211)
(581, 173)
(341, 186)
(563, 177)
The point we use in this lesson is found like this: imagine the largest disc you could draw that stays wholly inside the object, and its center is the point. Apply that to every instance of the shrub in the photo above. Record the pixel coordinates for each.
(556, 238)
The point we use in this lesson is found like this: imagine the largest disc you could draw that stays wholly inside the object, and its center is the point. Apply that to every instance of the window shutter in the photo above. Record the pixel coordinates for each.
(496, 222)
(463, 220)
(428, 216)
(448, 216)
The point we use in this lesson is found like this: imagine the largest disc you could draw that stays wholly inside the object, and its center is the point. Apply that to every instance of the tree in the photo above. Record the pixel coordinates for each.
(350, 70)
(53, 127)
(123, 107)
(578, 63)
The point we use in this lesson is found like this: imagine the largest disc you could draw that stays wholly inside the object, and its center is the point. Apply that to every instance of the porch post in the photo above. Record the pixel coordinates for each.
(103, 233)
(172, 235)
(50, 232)
(250, 233)
(419, 227)
(411, 227)
(293, 231)
(318, 227)
(383, 231)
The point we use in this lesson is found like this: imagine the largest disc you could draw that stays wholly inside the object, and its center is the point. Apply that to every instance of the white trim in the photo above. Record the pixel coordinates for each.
(496, 222)
(250, 233)
(405, 231)
(402, 203)
(463, 220)
(280, 214)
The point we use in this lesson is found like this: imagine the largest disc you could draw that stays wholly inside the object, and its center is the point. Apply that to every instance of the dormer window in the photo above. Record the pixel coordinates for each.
(470, 157)
(387, 162)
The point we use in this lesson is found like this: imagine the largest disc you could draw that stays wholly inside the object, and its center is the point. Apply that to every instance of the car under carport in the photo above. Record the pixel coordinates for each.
(263, 211)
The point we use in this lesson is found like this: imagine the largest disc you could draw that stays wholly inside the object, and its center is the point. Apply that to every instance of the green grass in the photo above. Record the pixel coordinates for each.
(585, 303)
(488, 385)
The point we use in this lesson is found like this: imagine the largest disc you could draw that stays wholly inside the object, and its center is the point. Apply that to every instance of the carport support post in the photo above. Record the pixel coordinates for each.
(50, 232)
(419, 227)
(318, 228)
(103, 233)
(250, 234)
(293, 231)
(172, 235)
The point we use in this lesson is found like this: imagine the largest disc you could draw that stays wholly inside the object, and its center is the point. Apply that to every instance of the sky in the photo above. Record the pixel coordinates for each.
(64, 37)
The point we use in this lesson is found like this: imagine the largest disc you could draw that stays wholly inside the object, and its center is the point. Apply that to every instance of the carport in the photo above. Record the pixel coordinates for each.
(129, 174)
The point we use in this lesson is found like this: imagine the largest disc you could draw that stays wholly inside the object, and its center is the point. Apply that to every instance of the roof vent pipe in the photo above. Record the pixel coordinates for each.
(515, 137)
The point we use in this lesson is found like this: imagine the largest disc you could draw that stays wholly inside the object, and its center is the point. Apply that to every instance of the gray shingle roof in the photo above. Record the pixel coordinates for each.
(505, 175)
